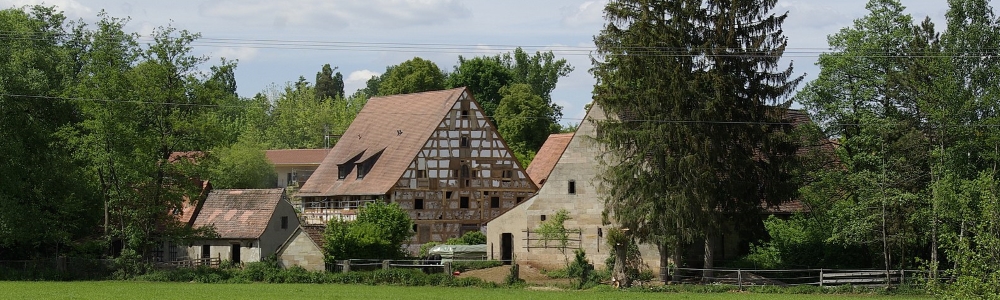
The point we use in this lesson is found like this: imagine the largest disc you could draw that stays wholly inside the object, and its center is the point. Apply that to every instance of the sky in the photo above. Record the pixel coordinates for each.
(275, 42)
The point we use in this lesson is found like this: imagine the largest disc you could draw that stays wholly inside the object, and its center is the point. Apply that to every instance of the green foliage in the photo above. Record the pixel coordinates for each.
(670, 182)
(523, 121)
(485, 76)
(554, 230)
(242, 165)
(269, 272)
(802, 242)
(463, 266)
(582, 271)
(298, 120)
(513, 277)
(328, 85)
(378, 233)
(46, 203)
(469, 238)
(411, 76)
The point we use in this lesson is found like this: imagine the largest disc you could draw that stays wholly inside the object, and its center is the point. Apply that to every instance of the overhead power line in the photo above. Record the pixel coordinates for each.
(562, 50)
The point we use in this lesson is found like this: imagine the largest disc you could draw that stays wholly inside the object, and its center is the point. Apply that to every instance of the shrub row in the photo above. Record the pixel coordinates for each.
(264, 272)
(470, 265)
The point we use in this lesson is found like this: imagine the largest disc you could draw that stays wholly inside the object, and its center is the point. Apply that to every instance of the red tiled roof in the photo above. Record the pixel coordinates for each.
(395, 126)
(297, 156)
(547, 157)
(239, 214)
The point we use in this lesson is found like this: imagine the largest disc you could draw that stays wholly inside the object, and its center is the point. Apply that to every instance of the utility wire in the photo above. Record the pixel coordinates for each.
(523, 117)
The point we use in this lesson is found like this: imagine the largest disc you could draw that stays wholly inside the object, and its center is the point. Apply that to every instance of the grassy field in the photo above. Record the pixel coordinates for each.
(157, 290)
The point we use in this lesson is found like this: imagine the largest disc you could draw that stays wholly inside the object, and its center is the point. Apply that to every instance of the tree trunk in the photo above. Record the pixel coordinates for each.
(708, 274)
(664, 260)
(618, 274)
(676, 253)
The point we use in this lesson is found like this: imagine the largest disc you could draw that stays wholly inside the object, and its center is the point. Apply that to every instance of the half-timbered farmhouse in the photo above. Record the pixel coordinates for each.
(433, 153)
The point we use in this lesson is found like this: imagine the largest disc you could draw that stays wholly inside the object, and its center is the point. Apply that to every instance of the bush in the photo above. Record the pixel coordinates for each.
(468, 265)
(582, 271)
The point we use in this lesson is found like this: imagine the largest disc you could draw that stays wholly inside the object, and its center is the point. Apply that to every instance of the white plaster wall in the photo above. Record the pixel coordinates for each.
(578, 163)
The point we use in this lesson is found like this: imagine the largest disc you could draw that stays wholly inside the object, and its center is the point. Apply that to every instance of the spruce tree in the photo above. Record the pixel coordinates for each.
(696, 99)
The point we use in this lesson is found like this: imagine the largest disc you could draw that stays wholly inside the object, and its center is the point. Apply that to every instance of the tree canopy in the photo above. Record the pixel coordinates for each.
(693, 133)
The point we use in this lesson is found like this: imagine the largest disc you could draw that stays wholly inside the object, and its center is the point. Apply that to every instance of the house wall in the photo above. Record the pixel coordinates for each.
(464, 158)
(274, 236)
(250, 250)
(301, 251)
(299, 173)
(578, 164)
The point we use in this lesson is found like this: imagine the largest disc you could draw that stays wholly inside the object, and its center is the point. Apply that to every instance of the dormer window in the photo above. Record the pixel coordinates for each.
(366, 166)
(343, 170)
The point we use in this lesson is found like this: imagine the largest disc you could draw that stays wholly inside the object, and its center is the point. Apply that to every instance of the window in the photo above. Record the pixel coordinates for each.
(572, 187)
(463, 202)
(447, 195)
(366, 166)
(494, 202)
(284, 222)
(421, 174)
(464, 142)
(543, 217)
(290, 179)
(465, 171)
(414, 227)
(418, 203)
(507, 174)
(465, 114)
(519, 199)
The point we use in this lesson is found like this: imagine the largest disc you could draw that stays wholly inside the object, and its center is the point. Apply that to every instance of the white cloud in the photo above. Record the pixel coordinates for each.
(71, 8)
(338, 14)
(236, 53)
(357, 80)
(586, 13)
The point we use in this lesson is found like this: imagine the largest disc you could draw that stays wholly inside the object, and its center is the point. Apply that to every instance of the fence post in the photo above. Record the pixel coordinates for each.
(447, 267)
(347, 266)
(385, 264)
(739, 278)
(820, 277)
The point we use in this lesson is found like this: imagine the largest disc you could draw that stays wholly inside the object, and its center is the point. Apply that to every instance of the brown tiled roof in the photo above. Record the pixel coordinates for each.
(315, 233)
(397, 126)
(547, 157)
(239, 214)
(297, 156)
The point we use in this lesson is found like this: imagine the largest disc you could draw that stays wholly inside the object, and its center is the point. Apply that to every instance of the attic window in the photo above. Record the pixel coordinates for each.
(494, 202)
(465, 114)
(343, 170)
(366, 166)
(284, 222)
(572, 187)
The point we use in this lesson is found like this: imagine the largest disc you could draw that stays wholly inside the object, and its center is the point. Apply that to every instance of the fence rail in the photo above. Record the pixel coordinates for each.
(796, 277)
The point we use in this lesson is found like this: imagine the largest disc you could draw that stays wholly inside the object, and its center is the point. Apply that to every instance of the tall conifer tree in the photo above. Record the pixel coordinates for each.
(690, 86)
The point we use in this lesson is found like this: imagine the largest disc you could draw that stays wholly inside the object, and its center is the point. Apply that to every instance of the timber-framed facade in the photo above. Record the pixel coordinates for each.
(434, 153)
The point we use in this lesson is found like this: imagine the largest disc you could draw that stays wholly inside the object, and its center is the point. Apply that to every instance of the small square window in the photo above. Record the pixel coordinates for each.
(421, 174)
(463, 202)
(447, 195)
(519, 199)
(418, 204)
(543, 217)
(494, 202)
(465, 114)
